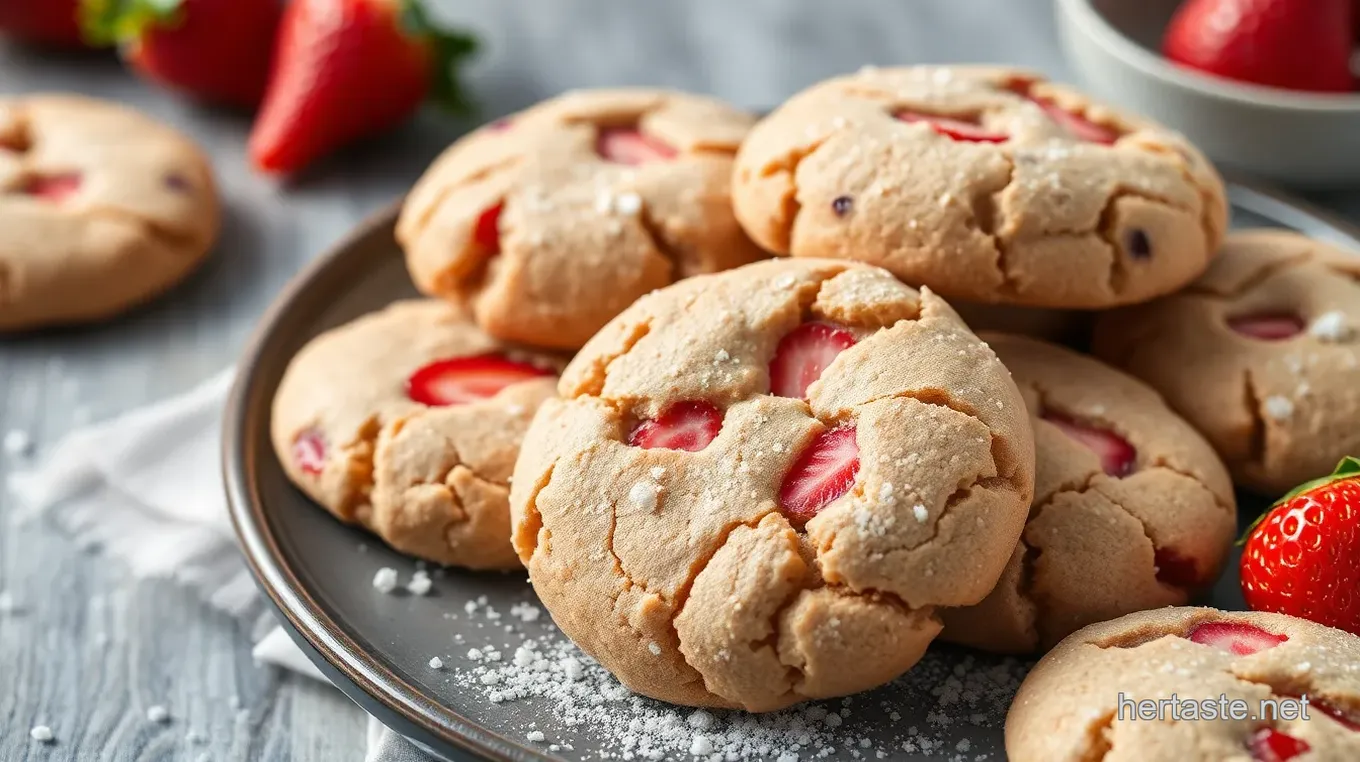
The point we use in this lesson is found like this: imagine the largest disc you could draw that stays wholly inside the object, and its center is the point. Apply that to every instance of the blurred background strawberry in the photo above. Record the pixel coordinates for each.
(217, 51)
(1294, 44)
(346, 69)
(44, 22)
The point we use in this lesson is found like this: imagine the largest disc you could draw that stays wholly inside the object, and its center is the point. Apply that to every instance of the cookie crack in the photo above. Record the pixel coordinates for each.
(1146, 533)
(1163, 463)
(655, 231)
(593, 385)
(791, 207)
(359, 494)
(464, 181)
(532, 523)
(1256, 440)
(1105, 229)
(1098, 738)
(986, 219)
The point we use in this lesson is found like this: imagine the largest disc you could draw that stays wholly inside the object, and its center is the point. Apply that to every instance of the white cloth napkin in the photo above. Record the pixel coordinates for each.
(146, 486)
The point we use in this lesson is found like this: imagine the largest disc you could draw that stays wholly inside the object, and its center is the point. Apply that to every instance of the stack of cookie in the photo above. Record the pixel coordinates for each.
(784, 480)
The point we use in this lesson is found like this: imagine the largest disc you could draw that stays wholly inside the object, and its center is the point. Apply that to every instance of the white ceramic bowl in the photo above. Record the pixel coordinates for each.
(1307, 140)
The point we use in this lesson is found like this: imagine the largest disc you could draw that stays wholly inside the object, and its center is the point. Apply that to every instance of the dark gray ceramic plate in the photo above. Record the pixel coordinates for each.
(376, 648)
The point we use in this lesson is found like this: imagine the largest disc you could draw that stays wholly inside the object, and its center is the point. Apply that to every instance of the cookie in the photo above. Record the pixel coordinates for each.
(1262, 355)
(1132, 509)
(1094, 696)
(407, 422)
(985, 184)
(551, 222)
(756, 487)
(101, 209)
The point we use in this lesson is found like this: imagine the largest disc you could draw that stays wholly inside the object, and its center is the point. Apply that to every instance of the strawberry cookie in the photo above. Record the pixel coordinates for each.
(1262, 355)
(1192, 685)
(989, 185)
(407, 421)
(101, 208)
(757, 487)
(551, 222)
(1132, 509)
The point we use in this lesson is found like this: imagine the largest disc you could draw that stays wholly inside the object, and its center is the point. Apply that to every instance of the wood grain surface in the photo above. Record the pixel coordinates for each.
(89, 651)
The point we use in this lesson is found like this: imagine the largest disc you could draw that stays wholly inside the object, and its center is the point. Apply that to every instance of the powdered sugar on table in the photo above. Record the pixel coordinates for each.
(547, 690)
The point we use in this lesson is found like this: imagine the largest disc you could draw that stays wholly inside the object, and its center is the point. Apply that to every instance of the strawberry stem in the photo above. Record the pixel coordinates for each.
(1348, 468)
(110, 22)
(450, 51)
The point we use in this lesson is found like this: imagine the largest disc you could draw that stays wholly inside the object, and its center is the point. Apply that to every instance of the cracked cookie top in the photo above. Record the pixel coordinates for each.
(1261, 354)
(1069, 707)
(549, 223)
(100, 209)
(1132, 509)
(984, 184)
(407, 421)
(757, 486)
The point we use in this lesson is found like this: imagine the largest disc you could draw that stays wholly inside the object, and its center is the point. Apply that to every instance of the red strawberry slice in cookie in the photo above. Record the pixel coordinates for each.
(954, 129)
(1268, 327)
(1175, 569)
(487, 233)
(309, 452)
(803, 354)
(1077, 125)
(688, 426)
(53, 188)
(1271, 745)
(628, 146)
(461, 380)
(1235, 637)
(823, 472)
(1116, 455)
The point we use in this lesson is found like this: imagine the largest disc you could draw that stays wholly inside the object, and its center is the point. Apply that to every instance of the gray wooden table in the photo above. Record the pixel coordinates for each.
(90, 650)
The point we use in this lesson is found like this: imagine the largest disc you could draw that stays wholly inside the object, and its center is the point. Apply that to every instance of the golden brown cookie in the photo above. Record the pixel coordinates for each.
(101, 208)
(407, 421)
(551, 222)
(1262, 355)
(1132, 508)
(760, 484)
(986, 184)
(1238, 680)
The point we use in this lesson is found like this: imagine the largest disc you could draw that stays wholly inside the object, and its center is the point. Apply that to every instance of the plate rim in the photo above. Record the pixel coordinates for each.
(362, 676)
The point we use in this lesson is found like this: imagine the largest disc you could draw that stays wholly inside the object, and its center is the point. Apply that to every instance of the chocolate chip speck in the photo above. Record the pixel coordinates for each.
(842, 205)
(1138, 244)
(177, 183)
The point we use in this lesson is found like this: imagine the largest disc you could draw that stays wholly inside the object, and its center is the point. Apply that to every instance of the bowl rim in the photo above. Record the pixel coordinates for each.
(1093, 23)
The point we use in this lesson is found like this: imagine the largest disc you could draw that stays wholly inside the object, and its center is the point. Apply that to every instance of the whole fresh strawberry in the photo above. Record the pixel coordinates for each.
(346, 69)
(1294, 44)
(215, 50)
(1303, 556)
(45, 22)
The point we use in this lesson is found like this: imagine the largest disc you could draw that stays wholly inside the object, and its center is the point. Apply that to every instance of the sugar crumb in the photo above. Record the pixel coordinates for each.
(385, 580)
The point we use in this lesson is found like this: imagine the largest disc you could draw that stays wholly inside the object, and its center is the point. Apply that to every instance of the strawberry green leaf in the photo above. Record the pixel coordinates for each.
(1348, 468)
(450, 51)
(109, 22)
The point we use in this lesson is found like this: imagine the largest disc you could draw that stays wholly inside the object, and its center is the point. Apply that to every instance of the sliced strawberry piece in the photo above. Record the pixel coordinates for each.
(628, 146)
(460, 380)
(1348, 719)
(954, 129)
(488, 231)
(689, 426)
(1077, 125)
(1277, 327)
(53, 188)
(823, 472)
(309, 451)
(803, 354)
(1175, 569)
(1271, 745)
(1235, 637)
(1116, 455)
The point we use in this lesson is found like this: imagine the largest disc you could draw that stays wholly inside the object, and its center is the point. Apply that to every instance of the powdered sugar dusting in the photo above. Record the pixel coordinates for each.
(551, 693)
